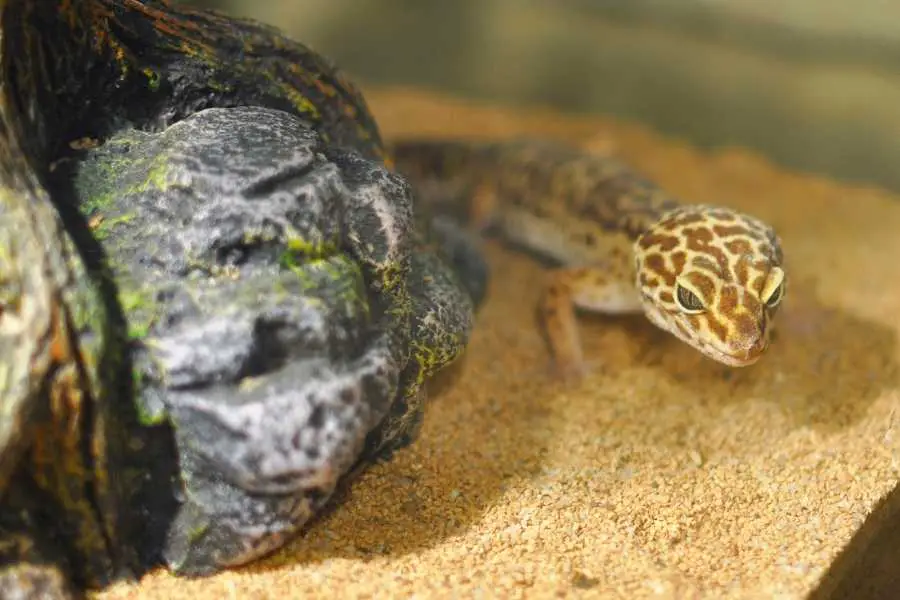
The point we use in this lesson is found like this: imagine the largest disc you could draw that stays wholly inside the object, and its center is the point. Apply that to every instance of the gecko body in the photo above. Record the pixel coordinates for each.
(712, 276)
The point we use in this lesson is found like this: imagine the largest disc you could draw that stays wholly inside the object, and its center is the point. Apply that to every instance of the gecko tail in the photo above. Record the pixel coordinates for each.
(442, 158)
(443, 173)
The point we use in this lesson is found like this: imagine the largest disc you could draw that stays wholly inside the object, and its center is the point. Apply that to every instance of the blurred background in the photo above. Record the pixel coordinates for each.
(812, 84)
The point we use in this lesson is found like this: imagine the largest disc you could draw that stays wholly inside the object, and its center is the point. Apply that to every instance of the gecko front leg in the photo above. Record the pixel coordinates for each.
(590, 288)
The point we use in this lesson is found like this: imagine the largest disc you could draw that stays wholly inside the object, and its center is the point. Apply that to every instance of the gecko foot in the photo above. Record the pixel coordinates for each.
(570, 373)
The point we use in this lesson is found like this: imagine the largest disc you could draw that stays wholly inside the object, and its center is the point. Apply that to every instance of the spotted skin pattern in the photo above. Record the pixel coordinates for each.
(711, 276)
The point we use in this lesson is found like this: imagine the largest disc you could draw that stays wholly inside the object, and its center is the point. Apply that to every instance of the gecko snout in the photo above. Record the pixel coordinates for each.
(751, 345)
(756, 349)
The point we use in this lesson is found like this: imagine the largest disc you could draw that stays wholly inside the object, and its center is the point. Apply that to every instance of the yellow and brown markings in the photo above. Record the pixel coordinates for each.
(709, 275)
(719, 264)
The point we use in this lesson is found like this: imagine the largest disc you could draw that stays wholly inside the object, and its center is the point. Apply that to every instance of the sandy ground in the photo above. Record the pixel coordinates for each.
(664, 475)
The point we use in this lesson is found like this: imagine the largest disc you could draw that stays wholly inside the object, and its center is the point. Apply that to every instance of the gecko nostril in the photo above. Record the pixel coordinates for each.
(758, 346)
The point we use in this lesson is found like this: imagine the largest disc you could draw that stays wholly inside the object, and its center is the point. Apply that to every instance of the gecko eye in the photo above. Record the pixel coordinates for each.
(688, 300)
(773, 292)
(775, 296)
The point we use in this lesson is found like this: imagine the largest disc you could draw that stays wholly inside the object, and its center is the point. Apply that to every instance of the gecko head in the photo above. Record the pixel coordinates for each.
(713, 278)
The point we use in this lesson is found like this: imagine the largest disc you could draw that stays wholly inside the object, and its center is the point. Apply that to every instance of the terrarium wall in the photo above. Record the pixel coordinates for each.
(813, 85)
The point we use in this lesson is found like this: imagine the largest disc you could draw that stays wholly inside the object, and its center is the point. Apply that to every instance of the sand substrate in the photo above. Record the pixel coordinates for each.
(663, 474)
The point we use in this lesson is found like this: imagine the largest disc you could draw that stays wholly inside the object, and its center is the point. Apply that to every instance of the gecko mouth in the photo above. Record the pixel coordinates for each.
(743, 358)
(734, 361)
